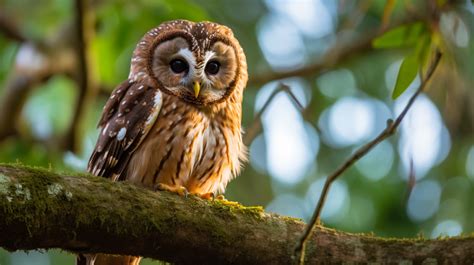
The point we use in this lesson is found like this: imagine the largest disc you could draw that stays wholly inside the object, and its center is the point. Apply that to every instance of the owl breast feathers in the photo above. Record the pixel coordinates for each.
(176, 120)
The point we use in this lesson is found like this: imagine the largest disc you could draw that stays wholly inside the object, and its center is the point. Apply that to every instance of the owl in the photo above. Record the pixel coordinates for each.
(175, 123)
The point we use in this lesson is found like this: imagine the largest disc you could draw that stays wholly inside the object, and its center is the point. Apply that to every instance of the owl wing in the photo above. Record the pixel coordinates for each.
(128, 116)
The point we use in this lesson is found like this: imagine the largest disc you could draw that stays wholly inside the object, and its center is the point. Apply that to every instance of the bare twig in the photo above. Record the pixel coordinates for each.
(389, 130)
(256, 125)
(84, 26)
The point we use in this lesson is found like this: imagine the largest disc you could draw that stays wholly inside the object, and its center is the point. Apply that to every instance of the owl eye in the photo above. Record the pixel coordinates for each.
(212, 67)
(178, 66)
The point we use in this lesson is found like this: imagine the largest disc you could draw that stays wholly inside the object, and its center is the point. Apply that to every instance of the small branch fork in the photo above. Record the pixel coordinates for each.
(392, 126)
(256, 125)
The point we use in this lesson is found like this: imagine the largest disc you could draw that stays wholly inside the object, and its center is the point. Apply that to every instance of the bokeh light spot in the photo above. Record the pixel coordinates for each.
(281, 43)
(378, 162)
(349, 121)
(337, 202)
(453, 27)
(337, 84)
(291, 148)
(287, 204)
(447, 228)
(423, 137)
(424, 200)
(311, 17)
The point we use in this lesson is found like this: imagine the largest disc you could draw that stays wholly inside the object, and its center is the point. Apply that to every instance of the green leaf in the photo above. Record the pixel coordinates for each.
(403, 36)
(406, 74)
(422, 51)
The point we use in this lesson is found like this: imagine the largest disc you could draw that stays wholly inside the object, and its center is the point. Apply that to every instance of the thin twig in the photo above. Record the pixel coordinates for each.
(256, 125)
(411, 181)
(389, 130)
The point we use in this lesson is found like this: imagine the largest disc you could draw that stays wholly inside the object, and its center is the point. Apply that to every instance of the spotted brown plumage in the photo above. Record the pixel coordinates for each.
(123, 127)
(176, 121)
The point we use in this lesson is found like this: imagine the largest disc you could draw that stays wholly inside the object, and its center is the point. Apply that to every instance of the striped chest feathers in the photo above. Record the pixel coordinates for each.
(188, 148)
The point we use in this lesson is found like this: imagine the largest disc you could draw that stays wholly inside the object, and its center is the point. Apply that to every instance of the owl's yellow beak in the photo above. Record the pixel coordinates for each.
(197, 88)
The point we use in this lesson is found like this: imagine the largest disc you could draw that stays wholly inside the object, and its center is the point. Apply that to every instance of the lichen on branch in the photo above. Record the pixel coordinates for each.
(82, 213)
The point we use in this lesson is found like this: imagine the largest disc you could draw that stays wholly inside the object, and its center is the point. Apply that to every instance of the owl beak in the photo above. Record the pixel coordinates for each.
(197, 88)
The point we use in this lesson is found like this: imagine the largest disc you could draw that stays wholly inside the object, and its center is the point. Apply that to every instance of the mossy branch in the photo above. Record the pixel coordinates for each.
(82, 213)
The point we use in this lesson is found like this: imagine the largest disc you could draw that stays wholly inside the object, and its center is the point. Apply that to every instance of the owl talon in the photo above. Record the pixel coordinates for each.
(220, 197)
(210, 196)
(206, 196)
(181, 191)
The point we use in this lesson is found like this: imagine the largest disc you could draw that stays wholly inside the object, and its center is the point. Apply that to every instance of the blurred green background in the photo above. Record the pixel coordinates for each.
(419, 182)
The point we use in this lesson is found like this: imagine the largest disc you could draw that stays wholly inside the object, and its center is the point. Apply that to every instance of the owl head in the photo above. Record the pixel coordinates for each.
(201, 63)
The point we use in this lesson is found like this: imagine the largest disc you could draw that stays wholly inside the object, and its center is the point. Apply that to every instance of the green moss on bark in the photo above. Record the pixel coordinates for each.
(43, 209)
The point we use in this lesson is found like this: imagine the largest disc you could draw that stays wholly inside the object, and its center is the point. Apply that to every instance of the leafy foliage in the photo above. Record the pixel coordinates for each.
(406, 36)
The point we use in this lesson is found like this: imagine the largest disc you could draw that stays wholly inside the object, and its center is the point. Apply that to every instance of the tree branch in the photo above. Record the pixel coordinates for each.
(88, 214)
(334, 56)
(358, 154)
(255, 127)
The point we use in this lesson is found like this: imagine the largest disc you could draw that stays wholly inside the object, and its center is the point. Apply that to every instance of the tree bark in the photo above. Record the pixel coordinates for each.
(87, 214)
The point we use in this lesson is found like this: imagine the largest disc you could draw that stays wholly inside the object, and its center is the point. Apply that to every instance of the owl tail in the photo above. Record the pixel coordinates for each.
(103, 259)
